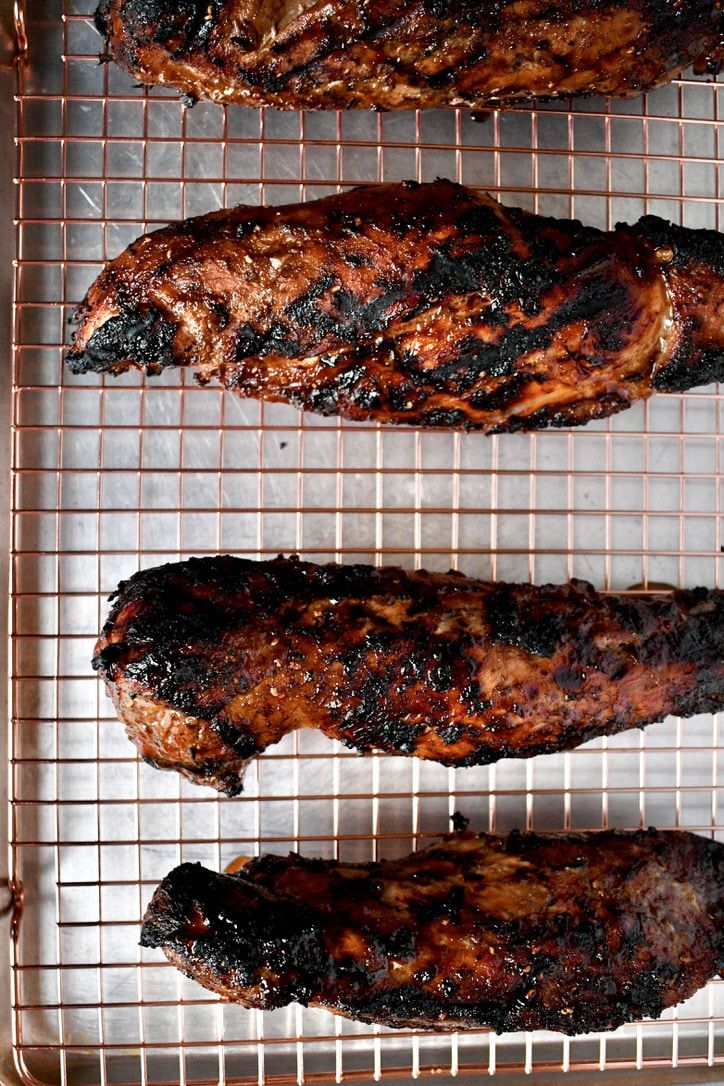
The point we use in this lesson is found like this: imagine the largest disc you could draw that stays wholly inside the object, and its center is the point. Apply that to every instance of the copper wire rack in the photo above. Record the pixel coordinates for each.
(113, 475)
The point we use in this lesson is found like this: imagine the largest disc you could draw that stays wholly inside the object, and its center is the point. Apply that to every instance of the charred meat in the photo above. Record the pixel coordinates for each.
(567, 932)
(404, 54)
(212, 660)
(430, 305)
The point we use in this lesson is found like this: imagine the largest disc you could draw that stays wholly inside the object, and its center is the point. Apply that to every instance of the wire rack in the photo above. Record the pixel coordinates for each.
(112, 476)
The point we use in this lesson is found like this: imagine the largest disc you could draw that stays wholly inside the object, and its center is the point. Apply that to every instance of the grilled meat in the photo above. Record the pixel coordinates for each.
(404, 54)
(430, 305)
(569, 932)
(212, 660)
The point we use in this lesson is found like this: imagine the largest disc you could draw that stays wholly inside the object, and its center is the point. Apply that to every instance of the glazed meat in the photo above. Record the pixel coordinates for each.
(210, 661)
(403, 54)
(573, 932)
(429, 305)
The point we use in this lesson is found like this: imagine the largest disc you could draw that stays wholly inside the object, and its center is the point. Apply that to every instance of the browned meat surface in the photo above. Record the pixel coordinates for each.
(430, 305)
(401, 54)
(212, 660)
(574, 932)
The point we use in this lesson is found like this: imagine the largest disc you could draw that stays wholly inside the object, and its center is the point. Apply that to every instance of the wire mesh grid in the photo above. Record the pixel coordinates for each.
(110, 476)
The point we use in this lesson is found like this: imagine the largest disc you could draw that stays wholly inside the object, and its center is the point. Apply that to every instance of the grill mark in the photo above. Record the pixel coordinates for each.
(424, 53)
(458, 313)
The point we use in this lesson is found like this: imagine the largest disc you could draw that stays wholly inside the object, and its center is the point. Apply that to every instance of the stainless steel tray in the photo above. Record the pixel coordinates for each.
(111, 476)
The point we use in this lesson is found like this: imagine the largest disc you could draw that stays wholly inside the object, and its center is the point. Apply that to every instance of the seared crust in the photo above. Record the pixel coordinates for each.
(568, 932)
(403, 54)
(430, 305)
(212, 660)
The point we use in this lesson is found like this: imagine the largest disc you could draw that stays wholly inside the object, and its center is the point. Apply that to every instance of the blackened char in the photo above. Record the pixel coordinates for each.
(428, 305)
(568, 932)
(212, 660)
(403, 54)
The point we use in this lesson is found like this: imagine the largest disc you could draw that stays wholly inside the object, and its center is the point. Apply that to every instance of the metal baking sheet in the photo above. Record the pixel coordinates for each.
(113, 475)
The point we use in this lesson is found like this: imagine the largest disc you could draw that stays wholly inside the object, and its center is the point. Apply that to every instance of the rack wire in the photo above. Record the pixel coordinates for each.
(110, 476)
